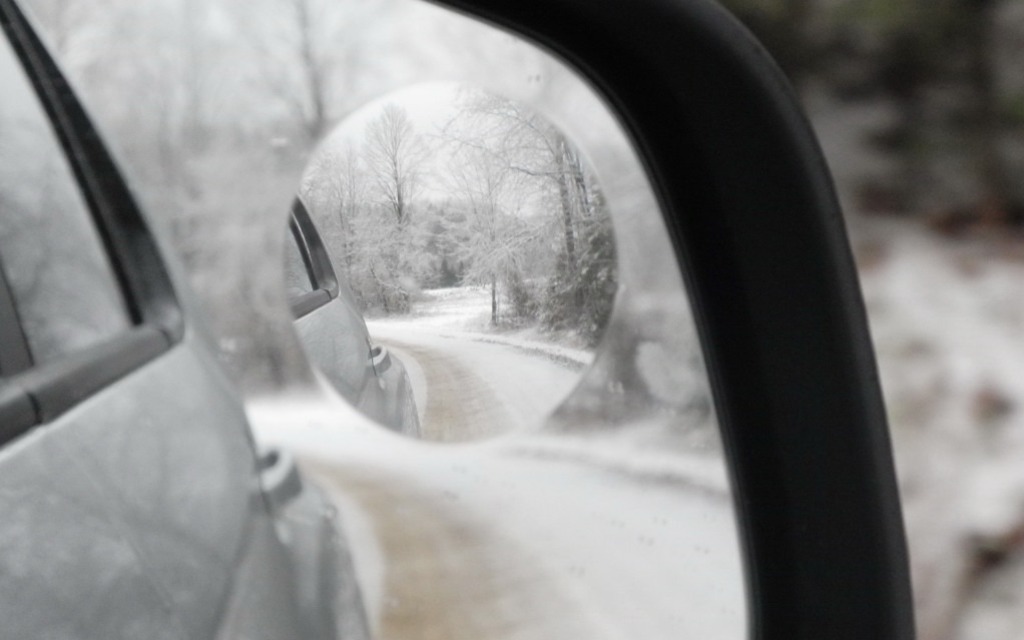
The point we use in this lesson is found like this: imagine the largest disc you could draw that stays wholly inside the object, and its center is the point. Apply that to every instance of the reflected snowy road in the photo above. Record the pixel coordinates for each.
(469, 389)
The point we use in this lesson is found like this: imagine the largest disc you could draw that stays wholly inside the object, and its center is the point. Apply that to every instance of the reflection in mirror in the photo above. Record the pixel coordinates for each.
(481, 296)
(478, 245)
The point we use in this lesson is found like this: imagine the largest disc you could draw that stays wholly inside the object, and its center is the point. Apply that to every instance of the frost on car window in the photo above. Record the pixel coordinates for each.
(63, 285)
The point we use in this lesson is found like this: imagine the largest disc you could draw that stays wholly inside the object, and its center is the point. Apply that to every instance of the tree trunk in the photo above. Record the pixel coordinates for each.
(565, 196)
(984, 130)
(346, 240)
(914, 161)
(494, 301)
(581, 188)
(381, 291)
(904, 74)
(316, 122)
(797, 14)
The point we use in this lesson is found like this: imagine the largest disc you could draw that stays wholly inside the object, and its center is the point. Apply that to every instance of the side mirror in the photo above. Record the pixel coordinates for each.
(750, 222)
(757, 229)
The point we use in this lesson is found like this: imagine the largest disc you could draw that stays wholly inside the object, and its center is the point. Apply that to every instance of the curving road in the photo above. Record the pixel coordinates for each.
(470, 388)
(449, 574)
(524, 537)
(493, 544)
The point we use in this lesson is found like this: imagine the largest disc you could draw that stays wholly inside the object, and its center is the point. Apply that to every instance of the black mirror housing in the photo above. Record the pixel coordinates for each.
(758, 231)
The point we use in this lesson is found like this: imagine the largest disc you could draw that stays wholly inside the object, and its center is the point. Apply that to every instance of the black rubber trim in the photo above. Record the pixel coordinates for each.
(14, 351)
(52, 389)
(314, 253)
(300, 247)
(309, 302)
(751, 209)
(17, 413)
(316, 260)
(137, 261)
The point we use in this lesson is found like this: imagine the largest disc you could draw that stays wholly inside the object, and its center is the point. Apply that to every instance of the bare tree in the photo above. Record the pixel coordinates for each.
(363, 197)
(395, 154)
(532, 146)
(302, 50)
(494, 234)
(579, 289)
(335, 192)
(314, 73)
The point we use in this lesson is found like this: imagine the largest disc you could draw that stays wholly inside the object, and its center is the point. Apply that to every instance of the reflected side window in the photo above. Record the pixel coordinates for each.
(62, 284)
(297, 278)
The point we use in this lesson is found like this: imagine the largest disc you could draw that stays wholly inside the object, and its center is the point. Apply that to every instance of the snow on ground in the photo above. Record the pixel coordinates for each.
(947, 318)
(487, 541)
(527, 535)
(466, 312)
(476, 389)
(534, 535)
(700, 472)
(539, 536)
(470, 384)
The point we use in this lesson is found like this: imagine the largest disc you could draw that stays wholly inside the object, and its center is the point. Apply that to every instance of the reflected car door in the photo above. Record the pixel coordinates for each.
(328, 321)
(126, 465)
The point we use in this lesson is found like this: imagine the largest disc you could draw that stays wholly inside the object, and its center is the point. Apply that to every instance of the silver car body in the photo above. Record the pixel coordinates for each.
(334, 334)
(135, 504)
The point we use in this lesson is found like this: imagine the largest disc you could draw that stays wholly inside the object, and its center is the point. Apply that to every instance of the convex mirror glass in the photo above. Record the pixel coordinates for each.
(474, 238)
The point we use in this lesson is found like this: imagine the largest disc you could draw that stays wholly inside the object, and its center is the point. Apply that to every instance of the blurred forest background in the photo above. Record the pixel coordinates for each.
(919, 105)
(949, 75)
(920, 109)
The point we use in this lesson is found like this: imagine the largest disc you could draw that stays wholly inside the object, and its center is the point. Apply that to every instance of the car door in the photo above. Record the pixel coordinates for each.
(127, 474)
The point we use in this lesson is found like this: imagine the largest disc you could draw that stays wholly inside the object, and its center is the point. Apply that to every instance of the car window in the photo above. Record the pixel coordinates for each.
(61, 281)
(297, 278)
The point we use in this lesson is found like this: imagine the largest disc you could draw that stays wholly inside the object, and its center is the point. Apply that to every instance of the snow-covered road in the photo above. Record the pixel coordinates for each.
(468, 388)
(477, 545)
(499, 541)
(529, 535)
